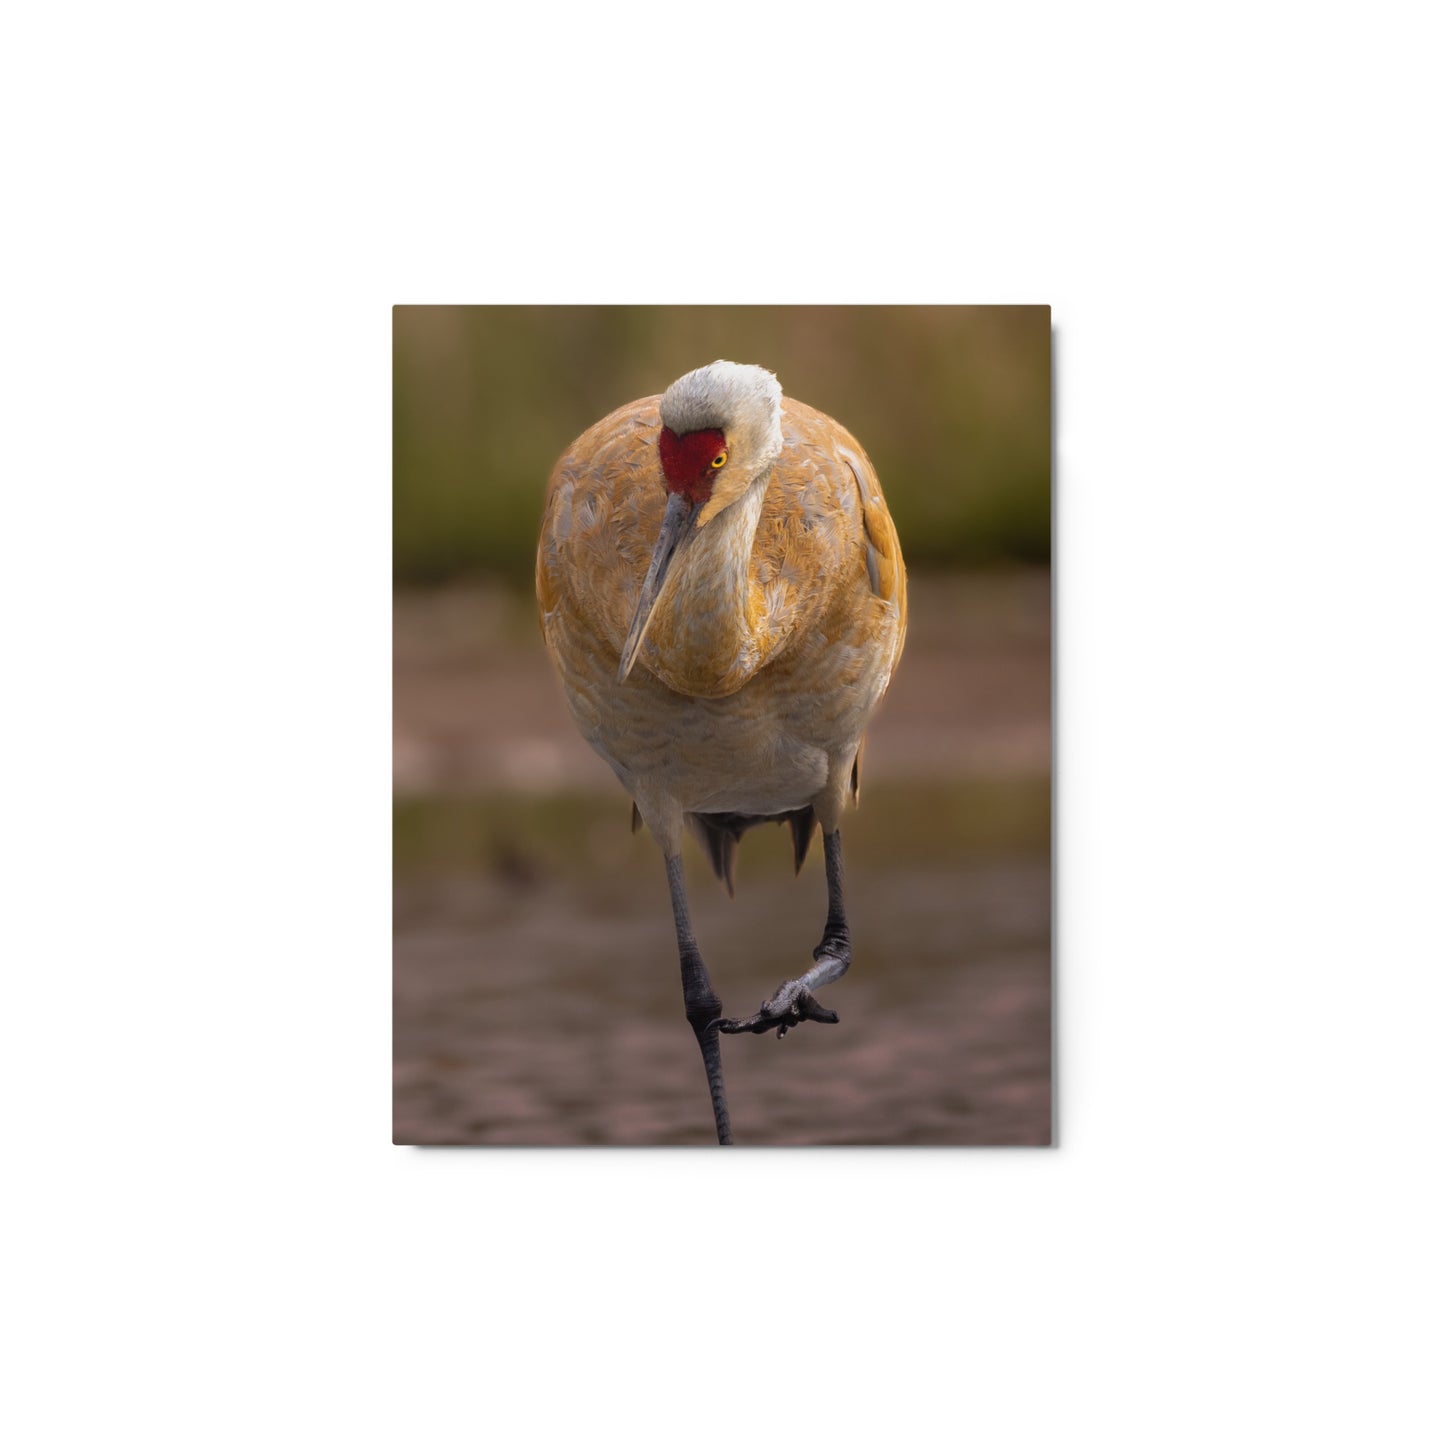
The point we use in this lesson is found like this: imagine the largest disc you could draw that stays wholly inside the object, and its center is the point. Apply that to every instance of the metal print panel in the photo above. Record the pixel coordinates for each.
(722, 764)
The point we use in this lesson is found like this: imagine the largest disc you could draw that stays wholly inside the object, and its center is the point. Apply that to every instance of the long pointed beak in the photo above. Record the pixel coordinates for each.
(675, 522)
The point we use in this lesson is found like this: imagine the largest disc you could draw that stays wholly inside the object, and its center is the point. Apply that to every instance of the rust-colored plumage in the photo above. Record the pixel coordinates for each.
(722, 636)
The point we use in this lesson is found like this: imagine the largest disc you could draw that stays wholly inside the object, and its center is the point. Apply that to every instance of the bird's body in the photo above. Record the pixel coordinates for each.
(759, 672)
(730, 681)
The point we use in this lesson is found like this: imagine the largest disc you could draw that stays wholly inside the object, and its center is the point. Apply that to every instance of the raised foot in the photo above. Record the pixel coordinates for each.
(791, 1005)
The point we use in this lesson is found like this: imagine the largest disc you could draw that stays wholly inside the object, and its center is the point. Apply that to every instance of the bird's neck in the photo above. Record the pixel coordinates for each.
(707, 635)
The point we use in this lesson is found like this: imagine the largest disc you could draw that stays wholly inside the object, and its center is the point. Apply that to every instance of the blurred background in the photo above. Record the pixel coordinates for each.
(536, 989)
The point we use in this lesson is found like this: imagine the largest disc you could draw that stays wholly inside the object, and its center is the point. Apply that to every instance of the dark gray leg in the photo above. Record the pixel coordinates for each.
(703, 1006)
(794, 1001)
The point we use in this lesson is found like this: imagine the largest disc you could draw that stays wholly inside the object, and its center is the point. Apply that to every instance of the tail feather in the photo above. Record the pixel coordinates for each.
(802, 823)
(720, 833)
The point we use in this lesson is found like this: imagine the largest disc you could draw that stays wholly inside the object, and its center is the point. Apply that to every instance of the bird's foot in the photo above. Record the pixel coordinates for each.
(786, 1009)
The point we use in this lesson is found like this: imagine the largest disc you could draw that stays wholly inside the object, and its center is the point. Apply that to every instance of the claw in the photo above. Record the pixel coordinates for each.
(790, 1006)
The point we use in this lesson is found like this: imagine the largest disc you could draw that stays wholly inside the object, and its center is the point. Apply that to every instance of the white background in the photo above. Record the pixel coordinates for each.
(1233, 211)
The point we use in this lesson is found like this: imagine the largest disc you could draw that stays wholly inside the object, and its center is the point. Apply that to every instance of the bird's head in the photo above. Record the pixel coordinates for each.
(721, 430)
(721, 433)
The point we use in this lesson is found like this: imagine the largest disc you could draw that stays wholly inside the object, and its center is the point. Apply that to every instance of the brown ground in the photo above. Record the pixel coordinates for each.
(537, 998)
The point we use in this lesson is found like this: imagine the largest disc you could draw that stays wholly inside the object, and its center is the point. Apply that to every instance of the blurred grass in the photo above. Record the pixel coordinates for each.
(526, 836)
(951, 402)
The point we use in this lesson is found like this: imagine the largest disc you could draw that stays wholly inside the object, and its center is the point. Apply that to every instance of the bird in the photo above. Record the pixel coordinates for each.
(721, 589)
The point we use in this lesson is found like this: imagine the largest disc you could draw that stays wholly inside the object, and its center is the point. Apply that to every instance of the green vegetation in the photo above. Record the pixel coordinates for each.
(524, 836)
(952, 404)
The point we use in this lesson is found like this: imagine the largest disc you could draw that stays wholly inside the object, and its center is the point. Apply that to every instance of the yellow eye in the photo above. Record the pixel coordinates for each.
(719, 459)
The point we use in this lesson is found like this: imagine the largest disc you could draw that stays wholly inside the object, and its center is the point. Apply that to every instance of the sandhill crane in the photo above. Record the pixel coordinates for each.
(721, 589)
